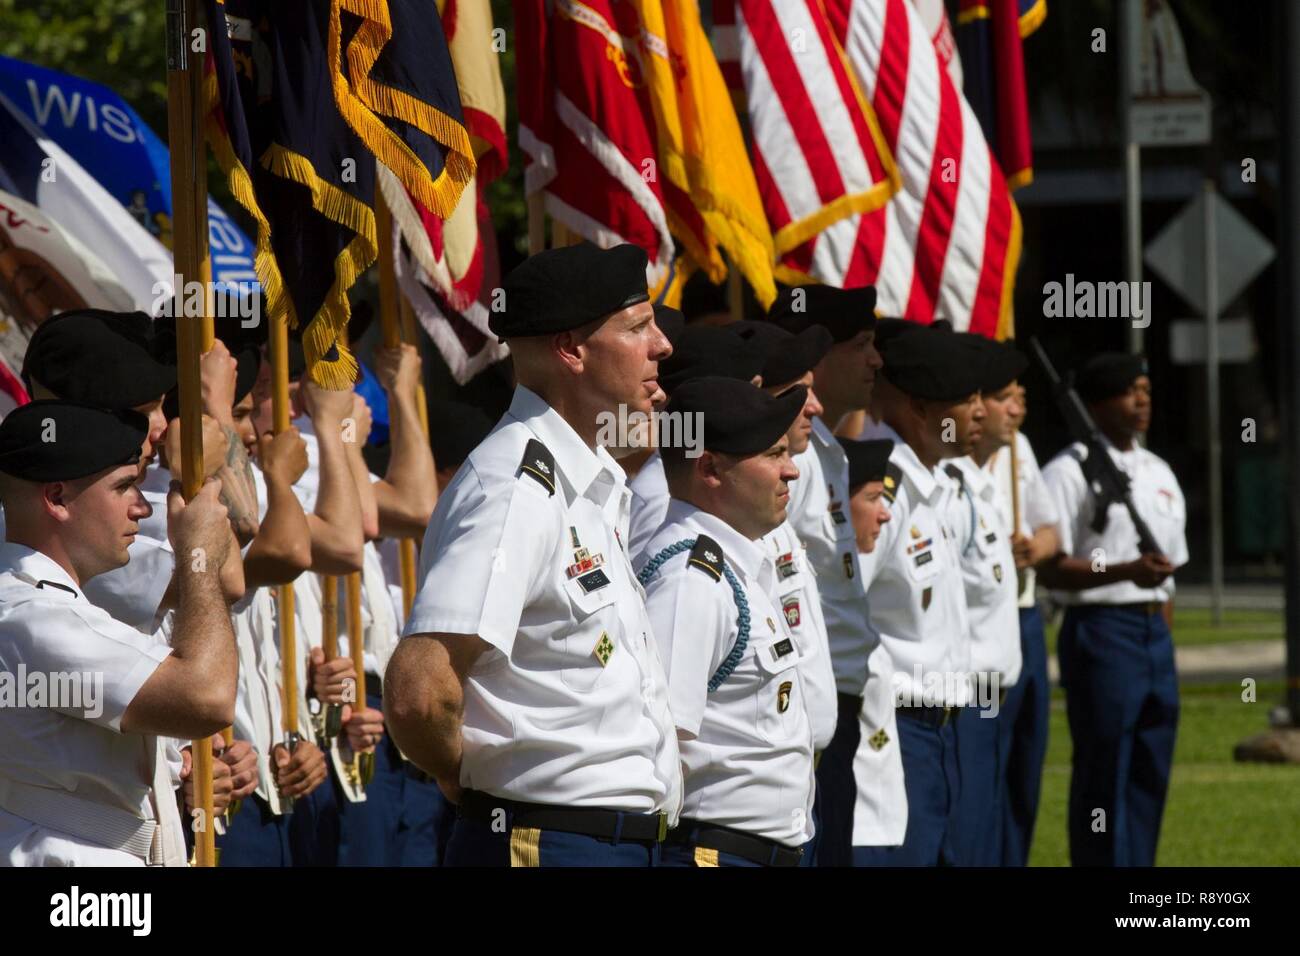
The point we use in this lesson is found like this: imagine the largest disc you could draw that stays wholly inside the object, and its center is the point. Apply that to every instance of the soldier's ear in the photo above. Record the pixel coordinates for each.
(708, 469)
(569, 348)
(54, 499)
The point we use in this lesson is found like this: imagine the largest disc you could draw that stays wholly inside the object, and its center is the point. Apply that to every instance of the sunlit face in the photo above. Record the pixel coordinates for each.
(157, 428)
(869, 511)
(1002, 409)
(620, 360)
(756, 490)
(102, 513)
(243, 416)
(1129, 413)
(957, 425)
(800, 433)
(847, 373)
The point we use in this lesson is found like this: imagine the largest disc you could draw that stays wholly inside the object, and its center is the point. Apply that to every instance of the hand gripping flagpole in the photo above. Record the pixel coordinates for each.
(190, 251)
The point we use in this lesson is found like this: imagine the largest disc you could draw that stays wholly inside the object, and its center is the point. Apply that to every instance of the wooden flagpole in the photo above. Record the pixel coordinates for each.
(189, 241)
(394, 332)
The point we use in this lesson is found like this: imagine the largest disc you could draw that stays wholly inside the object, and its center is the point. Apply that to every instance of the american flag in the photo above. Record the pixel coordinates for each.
(946, 245)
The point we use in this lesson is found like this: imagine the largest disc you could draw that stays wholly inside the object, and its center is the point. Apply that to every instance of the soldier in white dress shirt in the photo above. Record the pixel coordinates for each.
(880, 814)
(735, 684)
(916, 593)
(528, 681)
(85, 781)
(844, 379)
(1025, 713)
(989, 575)
(1115, 645)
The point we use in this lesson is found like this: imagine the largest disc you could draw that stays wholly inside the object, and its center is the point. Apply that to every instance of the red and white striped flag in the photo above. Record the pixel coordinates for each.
(818, 153)
(948, 244)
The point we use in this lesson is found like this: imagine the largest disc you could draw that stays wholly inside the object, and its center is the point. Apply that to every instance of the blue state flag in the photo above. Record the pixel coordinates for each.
(113, 144)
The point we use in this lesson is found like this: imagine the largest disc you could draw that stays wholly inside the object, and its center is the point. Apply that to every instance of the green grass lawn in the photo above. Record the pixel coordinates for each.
(1220, 813)
(1193, 626)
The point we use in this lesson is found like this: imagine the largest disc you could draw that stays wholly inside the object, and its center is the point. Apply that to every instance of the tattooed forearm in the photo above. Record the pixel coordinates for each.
(238, 492)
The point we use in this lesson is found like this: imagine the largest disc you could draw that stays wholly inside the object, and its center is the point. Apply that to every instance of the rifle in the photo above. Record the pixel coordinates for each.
(1107, 482)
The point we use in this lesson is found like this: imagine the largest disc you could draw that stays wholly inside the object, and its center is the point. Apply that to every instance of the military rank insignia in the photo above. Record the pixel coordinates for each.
(878, 740)
(925, 598)
(785, 566)
(783, 696)
(604, 649)
(848, 566)
(915, 532)
(791, 607)
(771, 625)
(583, 561)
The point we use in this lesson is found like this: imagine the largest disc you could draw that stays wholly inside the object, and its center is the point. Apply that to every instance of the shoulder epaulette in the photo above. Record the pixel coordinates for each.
(539, 464)
(893, 478)
(953, 472)
(1078, 452)
(707, 556)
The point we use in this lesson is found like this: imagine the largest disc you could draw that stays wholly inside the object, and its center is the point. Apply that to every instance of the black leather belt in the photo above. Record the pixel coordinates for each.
(1142, 607)
(587, 821)
(930, 715)
(755, 849)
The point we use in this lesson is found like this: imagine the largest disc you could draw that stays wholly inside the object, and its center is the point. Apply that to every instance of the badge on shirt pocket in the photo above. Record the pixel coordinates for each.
(925, 598)
(997, 573)
(783, 696)
(786, 566)
(791, 607)
(604, 649)
(848, 565)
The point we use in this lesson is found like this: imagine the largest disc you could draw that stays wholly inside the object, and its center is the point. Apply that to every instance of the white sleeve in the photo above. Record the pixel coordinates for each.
(691, 627)
(1063, 477)
(85, 640)
(485, 552)
(1040, 507)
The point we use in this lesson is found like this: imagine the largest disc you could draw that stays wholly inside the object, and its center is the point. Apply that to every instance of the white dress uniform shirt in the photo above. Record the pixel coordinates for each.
(819, 513)
(916, 594)
(988, 570)
(1158, 499)
(258, 705)
(801, 603)
(569, 705)
(66, 769)
(649, 488)
(747, 746)
(1037, 505)
(880, 809)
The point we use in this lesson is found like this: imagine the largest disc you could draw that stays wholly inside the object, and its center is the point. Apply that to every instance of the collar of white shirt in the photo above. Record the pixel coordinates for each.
(979, 480)
(744, 556)
(823, 435)
(593, 474)
(924, 478)
(35, 567)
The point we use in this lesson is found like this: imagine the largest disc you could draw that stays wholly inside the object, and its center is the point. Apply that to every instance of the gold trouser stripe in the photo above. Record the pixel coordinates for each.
(524, 846)
(705, 856)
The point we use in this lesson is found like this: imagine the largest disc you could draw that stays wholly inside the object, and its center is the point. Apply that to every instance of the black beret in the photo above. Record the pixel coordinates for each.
(57, 440)
(98, 357)
(701, 296)
(889, 329)
(787, 356)
(739, 419)
(932, 365)
(1109, 374)
(867, 459)
(671, 323)
(844, 312)
(709, 350)
(567, 287)
(455, 430)
(1000, 362)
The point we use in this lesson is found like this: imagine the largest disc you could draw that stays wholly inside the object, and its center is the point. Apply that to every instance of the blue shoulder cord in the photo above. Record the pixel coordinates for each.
(970, 502)
(742, 606)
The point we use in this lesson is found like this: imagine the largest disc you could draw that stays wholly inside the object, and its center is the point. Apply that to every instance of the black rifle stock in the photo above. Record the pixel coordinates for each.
(1107, 482)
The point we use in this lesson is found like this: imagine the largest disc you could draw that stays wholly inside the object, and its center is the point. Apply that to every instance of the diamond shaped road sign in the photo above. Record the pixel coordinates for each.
(1177, 255)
